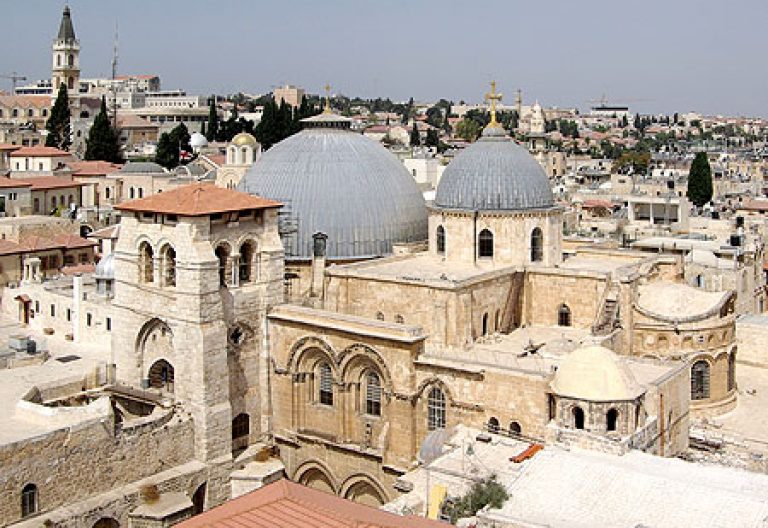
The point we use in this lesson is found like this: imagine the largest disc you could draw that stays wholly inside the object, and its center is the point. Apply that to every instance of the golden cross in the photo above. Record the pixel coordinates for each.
(327, 109)
(493, 97)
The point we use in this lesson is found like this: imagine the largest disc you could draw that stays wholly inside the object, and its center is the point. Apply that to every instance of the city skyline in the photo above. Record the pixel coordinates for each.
(686, 56)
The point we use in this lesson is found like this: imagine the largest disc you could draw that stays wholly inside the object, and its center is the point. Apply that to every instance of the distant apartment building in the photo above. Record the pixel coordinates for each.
(292, 95)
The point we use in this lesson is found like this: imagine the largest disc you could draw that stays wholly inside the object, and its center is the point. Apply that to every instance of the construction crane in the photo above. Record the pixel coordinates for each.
(14, 77)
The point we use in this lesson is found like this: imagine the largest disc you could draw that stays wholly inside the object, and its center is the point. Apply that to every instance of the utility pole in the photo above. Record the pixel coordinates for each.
(113, 87)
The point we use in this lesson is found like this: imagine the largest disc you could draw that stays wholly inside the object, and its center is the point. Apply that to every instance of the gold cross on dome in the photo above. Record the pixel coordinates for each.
(327, 109)
(492, 97)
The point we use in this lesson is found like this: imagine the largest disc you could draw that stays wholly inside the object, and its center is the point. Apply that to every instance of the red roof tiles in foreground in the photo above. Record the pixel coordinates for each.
(10, 183)
(198, 199)
(41, 152)
(287, 504)
(9, 146)
(93, 168)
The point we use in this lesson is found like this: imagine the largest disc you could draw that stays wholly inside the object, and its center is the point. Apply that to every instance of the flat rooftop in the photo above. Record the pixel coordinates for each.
(585, 489)
(18, 423)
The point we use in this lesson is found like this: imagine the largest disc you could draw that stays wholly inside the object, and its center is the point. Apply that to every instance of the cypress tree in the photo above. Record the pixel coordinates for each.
(58, 126)
(213, 121)
(202, 129)
(167, 153)
(700, 180)
(415, 137)
(103, 141)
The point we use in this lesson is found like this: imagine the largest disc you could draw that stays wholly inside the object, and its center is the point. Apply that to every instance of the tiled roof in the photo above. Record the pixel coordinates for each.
(44, 183)
(198, 199)
(134, 121)
(9, 183)
(39, 151)
(9, 146)
(24, 101)
(285, 503)
(93, 168)
(106, 232)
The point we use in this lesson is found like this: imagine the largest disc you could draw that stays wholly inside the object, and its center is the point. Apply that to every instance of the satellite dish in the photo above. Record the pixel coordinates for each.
(432, 446)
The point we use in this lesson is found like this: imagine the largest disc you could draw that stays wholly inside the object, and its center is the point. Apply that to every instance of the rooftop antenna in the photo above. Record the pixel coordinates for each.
(113, 88)
(114, 55)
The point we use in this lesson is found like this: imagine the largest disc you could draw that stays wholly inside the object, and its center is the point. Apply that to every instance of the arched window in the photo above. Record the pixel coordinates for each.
(537, 245)
(146, 263)
(30, 113)
(133, 193)
(326, 384)
(29, 500)
(699, 281)
(700, 380)
(440, 240)
(578, 417)
(435, 409)
(732, 371)
(372, 394)
(246, 262)
(107, 192)
(44, 112)
(222, 254)
(58, 60)
(161, 375)
(485, 244)
(241, 426)
(485, 324)
(169, 265)
(515, 429)
(493, 425)
(71, 61)
(141, 192)
(71, 83)
(379, 316)
(563, 315)
(53, 202)
(611, 418)
(106, 522)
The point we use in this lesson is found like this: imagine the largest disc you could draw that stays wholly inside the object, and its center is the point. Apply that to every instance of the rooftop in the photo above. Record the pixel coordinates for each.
(287, 504)
(198, 199)
(39, 151)
(679, 301)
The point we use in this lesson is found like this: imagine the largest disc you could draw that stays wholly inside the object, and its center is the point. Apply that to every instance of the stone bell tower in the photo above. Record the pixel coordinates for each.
(196, 269)
(66, 57)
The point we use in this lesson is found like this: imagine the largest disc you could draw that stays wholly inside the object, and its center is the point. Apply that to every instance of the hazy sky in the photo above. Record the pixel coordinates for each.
(655, 55)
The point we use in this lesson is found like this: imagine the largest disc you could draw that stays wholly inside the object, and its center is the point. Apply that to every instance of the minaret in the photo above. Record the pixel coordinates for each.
(66, 57)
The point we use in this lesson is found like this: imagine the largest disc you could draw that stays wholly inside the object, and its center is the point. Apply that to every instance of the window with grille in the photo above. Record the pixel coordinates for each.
(326, 384)
(435, 409)
(537, 245)
(372, 394)
(485, 244)
(440, 239)
(28, 500)
(700, 380)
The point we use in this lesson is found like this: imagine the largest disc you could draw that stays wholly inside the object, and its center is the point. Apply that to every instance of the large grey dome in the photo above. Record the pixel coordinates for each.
(340, 183)
(495, 174)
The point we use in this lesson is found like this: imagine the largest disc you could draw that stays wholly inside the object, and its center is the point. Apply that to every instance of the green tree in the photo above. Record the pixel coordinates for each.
(213, 121)
(170, 146)
(432, 139)
(486, 492)
(415, 137)
(103, 141)
(700, 180)
(58, 126)
(468, 129)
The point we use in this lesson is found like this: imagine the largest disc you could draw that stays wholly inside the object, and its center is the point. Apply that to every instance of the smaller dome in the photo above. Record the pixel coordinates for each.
(244, 138)
(142, 167)
(595, 373)
(197, 140)
(105, 269)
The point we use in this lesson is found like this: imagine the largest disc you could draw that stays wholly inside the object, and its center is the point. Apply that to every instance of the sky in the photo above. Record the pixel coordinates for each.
(653, 55)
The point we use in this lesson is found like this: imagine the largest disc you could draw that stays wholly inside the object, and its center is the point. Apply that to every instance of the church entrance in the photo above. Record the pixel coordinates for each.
(24, 308)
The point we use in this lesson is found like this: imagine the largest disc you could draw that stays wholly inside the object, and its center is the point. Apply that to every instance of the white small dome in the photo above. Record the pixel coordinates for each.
(595, 373)
(197, 140)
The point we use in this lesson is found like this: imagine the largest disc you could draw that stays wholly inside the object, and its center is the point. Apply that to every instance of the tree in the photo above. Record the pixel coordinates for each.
(486, 492)
(213, 121)
(467, 129)
(415, 137)
(432, 139)
(170, 146)
(103, 141)
(58, 127)
(700, 180)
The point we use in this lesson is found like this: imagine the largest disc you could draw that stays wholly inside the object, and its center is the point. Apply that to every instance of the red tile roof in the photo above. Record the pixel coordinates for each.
(198, 199)
(287, 504)
(8, 146)
(45, 183)
(39, 151)
(93, 168)
(9, 183)
(40, 101)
